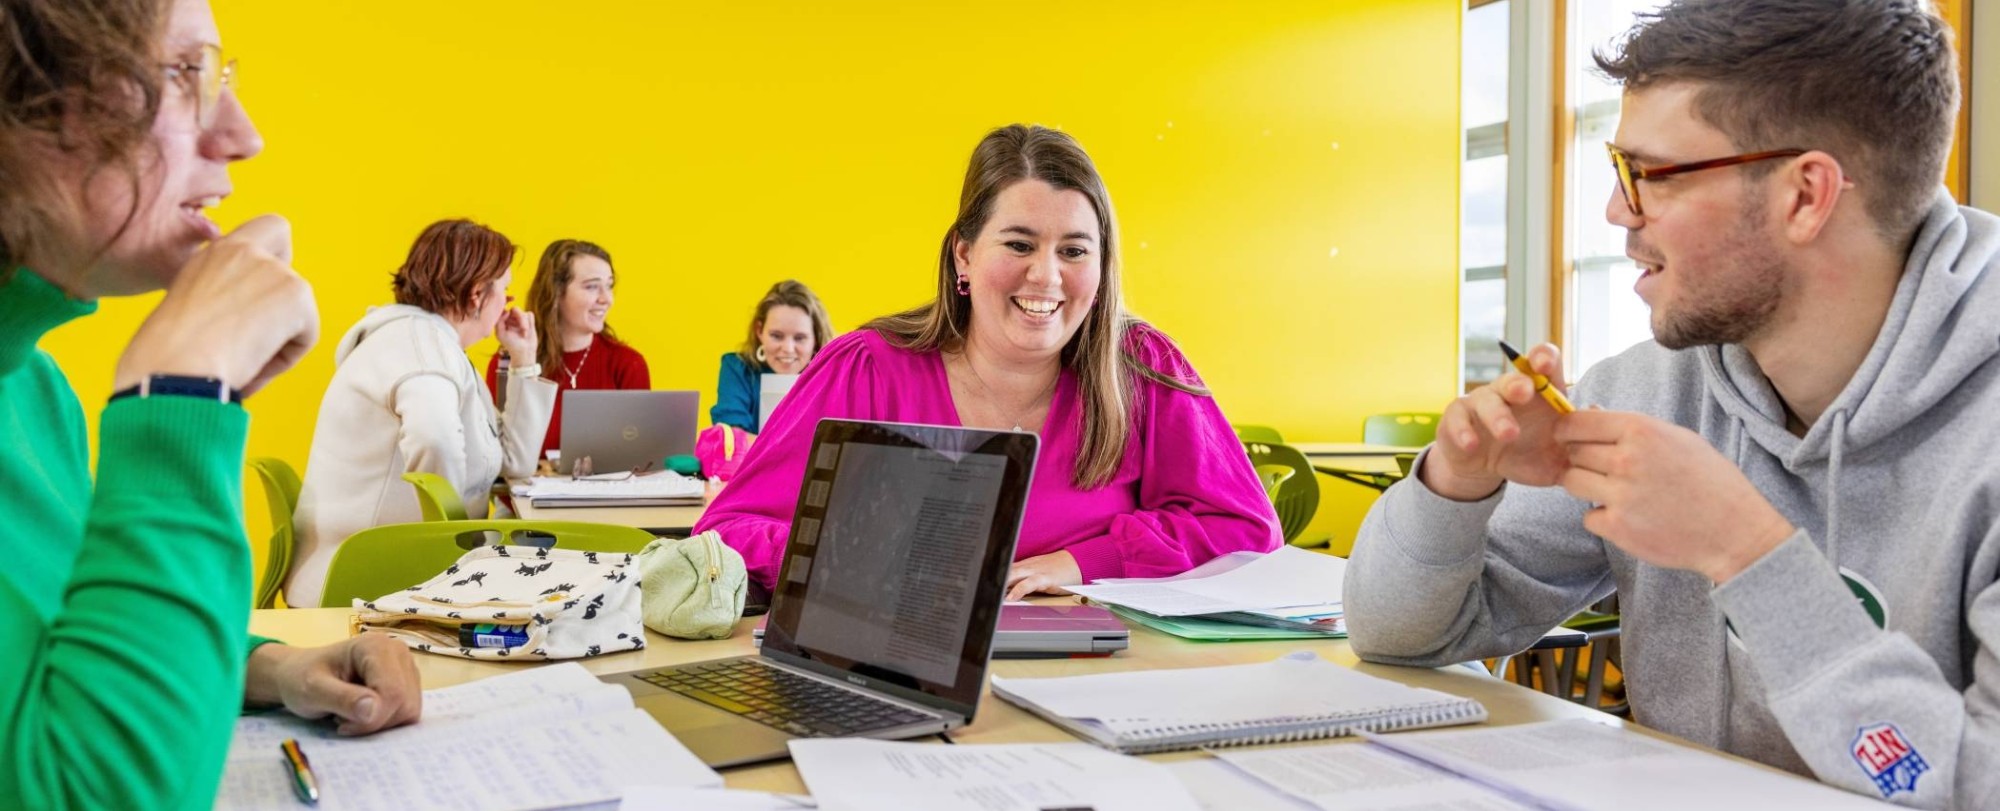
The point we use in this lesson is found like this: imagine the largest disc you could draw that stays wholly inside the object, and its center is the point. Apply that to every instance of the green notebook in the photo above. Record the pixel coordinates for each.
(1207, 630)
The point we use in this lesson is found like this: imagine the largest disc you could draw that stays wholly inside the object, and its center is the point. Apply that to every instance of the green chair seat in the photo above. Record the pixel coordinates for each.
(1288, 479)
(389, 558)
(1257, 433)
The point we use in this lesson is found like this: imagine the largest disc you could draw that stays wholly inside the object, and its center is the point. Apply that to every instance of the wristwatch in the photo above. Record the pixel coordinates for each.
(206, 388)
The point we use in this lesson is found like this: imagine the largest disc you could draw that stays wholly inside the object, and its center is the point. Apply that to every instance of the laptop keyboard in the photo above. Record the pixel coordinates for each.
(782, 699)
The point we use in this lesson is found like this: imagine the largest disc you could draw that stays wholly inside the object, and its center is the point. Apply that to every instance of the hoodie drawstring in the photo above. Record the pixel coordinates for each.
(1837, 450)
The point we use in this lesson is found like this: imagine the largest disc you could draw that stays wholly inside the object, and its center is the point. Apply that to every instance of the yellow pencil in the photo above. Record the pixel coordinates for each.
(1556, 399)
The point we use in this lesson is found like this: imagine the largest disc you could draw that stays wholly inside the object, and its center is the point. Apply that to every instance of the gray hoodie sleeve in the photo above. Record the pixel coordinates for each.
(1855, 700)
(1433, 581)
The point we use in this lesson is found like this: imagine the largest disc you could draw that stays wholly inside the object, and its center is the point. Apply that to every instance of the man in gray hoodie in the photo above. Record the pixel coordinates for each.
(1794, 491)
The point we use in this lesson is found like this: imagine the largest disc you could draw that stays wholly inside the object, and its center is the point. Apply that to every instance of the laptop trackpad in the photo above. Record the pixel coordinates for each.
(719, 738)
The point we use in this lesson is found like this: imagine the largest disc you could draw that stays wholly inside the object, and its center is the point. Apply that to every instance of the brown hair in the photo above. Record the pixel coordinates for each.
(552, 277)
(788, 293)
(450, 261)
(84, 78)
(1104, 366)
(1875, 84)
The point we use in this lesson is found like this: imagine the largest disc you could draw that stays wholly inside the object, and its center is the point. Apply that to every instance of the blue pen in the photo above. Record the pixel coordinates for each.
(303, 780)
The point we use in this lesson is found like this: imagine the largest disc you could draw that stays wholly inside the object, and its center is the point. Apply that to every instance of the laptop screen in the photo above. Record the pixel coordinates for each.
(898, 556)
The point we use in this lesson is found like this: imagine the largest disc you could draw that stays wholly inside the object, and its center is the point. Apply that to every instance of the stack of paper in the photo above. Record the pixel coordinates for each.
(656, 489)
(1290, 592)
(857, 774)
(546, 737)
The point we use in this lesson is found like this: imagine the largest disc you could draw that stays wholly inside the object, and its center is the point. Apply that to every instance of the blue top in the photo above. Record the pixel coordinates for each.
(736, 393)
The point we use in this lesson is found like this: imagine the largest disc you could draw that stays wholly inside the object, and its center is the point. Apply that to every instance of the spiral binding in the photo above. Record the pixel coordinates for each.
(1190, 736)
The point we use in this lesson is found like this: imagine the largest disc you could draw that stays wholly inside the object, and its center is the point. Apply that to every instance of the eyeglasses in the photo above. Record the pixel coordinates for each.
(208, 78)
(1629, 174)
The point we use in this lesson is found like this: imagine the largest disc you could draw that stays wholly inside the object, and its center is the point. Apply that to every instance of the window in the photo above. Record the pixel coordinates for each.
(1604, 316)
(1482, 301)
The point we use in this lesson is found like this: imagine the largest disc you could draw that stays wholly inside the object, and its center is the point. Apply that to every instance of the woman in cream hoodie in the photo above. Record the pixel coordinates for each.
(404, 397)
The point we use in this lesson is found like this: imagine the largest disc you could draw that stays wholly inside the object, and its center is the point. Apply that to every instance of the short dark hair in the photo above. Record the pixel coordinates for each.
(1872, 82)
(450, 261)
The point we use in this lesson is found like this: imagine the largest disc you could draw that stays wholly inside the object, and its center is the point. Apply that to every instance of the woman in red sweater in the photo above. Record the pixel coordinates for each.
(570, 298)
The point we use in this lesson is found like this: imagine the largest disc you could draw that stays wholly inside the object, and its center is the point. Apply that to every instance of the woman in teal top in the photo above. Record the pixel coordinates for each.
(126, 602)
(789, 326)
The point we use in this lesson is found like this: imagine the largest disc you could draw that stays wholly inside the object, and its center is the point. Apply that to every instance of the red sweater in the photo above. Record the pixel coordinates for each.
(608, 365)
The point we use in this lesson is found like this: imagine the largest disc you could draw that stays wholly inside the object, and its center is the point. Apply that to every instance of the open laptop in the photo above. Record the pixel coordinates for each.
(882, 621)
(772, 387)
(626, 430)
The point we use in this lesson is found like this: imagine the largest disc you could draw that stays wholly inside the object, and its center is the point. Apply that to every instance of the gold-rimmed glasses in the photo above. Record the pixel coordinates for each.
(1630, 173)
(206, 79)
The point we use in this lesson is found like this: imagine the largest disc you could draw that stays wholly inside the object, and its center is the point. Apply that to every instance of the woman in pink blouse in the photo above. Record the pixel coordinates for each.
(1139, 474)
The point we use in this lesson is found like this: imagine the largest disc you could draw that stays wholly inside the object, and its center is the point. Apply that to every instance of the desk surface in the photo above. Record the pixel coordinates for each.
(997, 721)
(1351, 449)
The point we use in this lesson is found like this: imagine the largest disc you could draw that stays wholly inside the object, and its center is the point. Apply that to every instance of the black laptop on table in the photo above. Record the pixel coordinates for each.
(882, 622)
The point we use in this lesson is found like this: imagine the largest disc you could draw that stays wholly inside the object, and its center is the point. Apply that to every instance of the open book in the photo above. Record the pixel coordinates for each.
(544, 737)
(1549, 766)
(1295, 697)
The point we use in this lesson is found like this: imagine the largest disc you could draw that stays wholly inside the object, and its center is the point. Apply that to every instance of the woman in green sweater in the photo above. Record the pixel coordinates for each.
(125, 603)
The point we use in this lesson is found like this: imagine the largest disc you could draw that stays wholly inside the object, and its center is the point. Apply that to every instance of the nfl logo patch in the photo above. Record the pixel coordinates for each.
(1888, 759)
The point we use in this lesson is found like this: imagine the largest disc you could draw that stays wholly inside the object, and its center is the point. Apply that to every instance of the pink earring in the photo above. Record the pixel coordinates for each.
(964, 286)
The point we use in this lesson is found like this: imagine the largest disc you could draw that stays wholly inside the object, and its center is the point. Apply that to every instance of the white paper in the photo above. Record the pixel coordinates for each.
(1287, 577)
(650, 798)
(1218, 787)
(1300, 685)
(532, 739)
(854, 774)
(1573, 764)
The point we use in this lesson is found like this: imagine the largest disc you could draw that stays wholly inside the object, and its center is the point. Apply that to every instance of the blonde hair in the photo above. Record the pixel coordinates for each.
(788, 293)
(1105, 368)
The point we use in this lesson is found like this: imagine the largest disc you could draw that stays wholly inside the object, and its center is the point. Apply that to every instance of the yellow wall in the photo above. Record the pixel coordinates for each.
(1286, 173)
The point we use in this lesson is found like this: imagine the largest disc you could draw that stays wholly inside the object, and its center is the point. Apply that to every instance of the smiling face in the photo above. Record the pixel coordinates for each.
(182, 170)
(1034, 271)
(586, 300)
(786, 336)
(1714, 270)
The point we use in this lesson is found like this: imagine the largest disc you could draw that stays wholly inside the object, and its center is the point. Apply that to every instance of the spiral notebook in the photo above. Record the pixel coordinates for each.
(1296, 697)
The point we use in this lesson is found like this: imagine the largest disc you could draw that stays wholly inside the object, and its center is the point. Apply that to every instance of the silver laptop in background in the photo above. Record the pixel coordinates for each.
(627, 430)
(882, 622)
(771, 387)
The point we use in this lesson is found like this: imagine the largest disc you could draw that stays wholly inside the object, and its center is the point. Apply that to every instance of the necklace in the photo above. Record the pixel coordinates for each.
(579, 363)
(1043, 400)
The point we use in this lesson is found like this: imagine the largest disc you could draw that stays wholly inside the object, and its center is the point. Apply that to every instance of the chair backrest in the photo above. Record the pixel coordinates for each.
(1295, 496)
(389, 558)
(435, 495)
(1409, 430)
(281, 492)
(1256, 433)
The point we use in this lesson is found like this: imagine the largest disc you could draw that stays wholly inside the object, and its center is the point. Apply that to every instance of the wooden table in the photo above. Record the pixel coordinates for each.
(657, 520)
(997, 721)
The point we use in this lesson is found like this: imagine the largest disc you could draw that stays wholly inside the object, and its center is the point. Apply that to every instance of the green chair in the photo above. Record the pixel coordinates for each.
(1288, 479)
(440, 501)
(1410, 430)
(1257, 433)
(384, 559)
(281, 492)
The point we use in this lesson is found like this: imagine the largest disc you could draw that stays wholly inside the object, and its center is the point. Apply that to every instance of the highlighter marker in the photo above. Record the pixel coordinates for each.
(1555, 398)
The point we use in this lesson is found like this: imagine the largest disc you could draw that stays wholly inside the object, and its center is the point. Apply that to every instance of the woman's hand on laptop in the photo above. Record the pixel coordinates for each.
(368, 682)
(1043, 574)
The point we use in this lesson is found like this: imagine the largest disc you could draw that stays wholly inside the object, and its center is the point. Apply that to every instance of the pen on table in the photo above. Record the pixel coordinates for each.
(1542, 385)
(303, 780)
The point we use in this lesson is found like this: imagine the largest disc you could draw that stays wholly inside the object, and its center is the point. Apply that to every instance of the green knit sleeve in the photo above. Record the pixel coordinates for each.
(132, 689)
